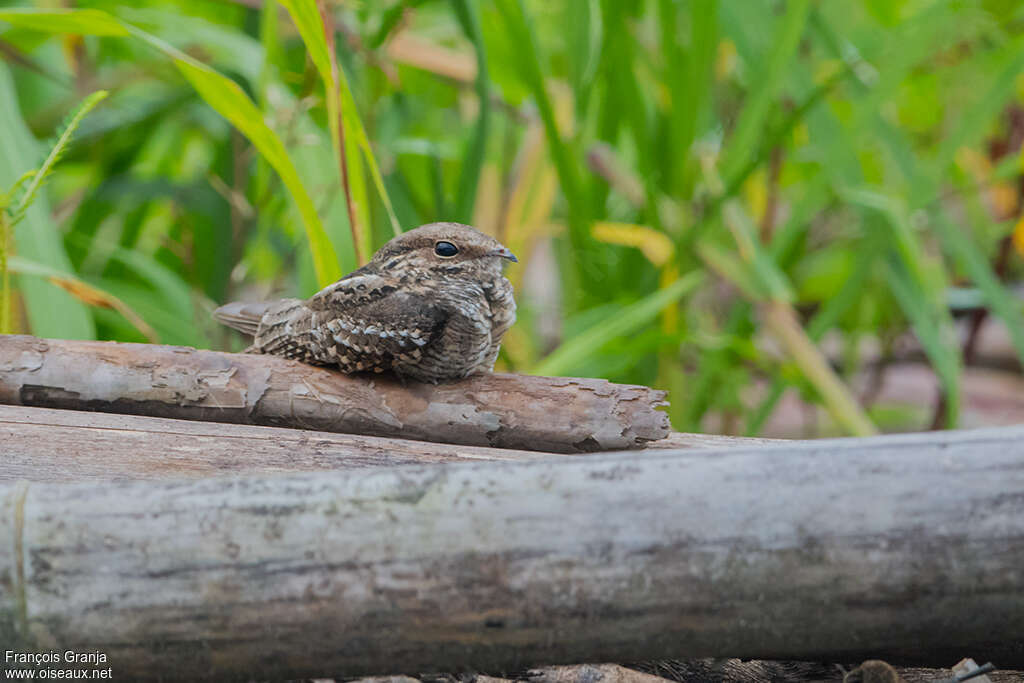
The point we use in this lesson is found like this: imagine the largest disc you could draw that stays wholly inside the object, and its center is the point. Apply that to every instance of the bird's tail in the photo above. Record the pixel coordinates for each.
(244, 317)
(281, 328)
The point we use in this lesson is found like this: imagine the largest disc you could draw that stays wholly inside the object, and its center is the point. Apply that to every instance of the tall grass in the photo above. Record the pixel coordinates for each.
(16, 200)
(704, 193)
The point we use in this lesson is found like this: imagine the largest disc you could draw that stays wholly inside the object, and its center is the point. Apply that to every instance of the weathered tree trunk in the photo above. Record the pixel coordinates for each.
(554, 414)
(903, 548)
(48, 445)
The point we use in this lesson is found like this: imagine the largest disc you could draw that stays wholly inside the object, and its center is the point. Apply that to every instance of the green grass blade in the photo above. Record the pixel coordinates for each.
(782, 320)
(227, 99)
(83, 291)
(86, 22)
(306, 17)
(529, 67)
(584, 38)
(63, 140)
(308, 21)
(773, 281)
(473, 159)
(960, 247)
(828, 317)
(319, 40)
(905, 241)
(625, 321)
(51, 311)
(916, 293)
(974, 123)
(759, 103)
(688, 77)
(353, 124)
(703, 387)
(940, 349)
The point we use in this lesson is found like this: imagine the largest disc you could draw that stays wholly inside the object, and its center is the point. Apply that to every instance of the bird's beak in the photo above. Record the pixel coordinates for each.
(505, 253)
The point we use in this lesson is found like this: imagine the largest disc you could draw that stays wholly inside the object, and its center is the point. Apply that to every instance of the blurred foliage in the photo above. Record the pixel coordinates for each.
(700, 193)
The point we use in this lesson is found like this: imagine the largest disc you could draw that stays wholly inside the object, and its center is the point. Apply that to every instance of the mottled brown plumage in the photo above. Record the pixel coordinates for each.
(416, 308)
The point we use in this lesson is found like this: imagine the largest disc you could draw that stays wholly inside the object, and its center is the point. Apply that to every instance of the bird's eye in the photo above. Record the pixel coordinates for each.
(445, 249)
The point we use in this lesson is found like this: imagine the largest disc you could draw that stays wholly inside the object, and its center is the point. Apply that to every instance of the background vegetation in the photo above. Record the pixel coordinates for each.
(730, 199)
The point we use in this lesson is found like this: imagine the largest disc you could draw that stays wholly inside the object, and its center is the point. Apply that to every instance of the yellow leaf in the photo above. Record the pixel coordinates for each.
(93, 296)
(974, 162)
(801, 134)
(669, 314)
(487, 208)
(725, 60)
(1018, 236)
(532, 192)
(1003, 198)
(83, 292)
(656, 246)
(755, 191)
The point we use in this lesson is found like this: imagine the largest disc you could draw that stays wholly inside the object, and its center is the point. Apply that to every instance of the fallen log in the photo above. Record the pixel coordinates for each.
(553, 414)
(50, 445)
(905, 548)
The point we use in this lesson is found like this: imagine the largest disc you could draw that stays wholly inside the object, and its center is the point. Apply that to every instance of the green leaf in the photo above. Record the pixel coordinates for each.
(959, 245)
(623, 322)
(940, 347)
(83, 291)
(353, 124)
(223, 95)
(86, 22)
(308, 21)
(51, 311)
(307, 18)
(761, 100)
(229, 101)
(688, 77)
(63, 140)
(473, 159)
(724, 262)
(975, 120)
(772, 280)
(915, 292)
(529, 66)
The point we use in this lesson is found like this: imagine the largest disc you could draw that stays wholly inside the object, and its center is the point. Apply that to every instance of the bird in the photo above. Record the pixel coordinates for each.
(431, 305)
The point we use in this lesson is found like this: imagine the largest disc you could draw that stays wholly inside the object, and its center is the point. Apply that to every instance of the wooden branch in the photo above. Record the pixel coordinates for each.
(554, 414)
(905, 548)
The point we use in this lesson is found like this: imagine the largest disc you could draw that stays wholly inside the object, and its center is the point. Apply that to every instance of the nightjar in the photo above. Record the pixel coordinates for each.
(431, 305)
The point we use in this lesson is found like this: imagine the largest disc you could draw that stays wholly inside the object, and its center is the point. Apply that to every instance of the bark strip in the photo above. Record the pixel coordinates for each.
(904, 548)
(551, 414)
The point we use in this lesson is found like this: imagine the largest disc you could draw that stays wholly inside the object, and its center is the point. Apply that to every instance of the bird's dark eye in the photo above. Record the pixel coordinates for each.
(445, 249)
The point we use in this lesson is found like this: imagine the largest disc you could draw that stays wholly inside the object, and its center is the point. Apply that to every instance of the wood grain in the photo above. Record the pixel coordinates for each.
(905, 548)
(50, 445)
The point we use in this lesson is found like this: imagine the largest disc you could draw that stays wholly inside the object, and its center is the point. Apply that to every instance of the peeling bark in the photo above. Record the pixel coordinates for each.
(552, 414)
(905, 548)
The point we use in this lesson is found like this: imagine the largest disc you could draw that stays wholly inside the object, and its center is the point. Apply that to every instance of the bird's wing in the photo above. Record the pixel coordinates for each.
(371, 318)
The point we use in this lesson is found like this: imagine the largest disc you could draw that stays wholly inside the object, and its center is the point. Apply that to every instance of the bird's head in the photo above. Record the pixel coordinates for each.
(450, 250)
